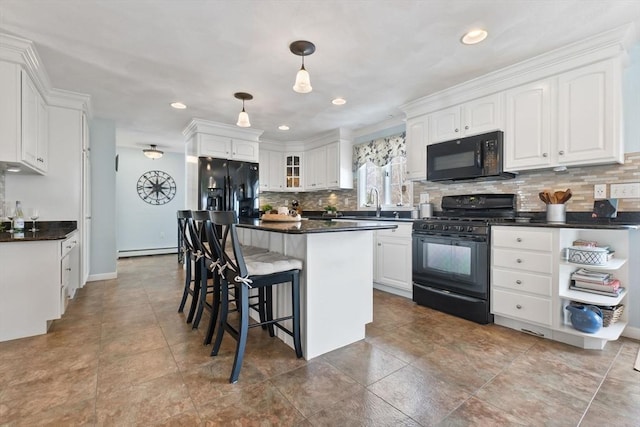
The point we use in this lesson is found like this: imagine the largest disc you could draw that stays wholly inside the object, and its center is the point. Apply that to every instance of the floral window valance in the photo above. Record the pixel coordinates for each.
(379, 151)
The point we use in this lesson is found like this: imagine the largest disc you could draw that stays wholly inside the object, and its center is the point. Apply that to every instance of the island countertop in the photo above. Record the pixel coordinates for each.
(312, 226)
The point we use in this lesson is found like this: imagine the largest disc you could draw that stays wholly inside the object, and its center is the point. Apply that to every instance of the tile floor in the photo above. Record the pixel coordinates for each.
(122, 355)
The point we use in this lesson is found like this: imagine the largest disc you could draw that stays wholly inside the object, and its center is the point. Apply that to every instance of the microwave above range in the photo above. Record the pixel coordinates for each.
(478, 157)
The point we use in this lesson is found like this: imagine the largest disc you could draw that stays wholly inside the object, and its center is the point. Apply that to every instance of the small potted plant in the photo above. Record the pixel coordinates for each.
(267, 208)
(331, 210)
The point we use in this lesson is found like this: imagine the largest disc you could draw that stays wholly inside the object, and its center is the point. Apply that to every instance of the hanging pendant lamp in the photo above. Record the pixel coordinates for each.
(243, 117)
(302, 48)
(153, 153)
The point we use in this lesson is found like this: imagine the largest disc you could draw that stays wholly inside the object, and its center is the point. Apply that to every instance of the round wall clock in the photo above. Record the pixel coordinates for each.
(156, 187)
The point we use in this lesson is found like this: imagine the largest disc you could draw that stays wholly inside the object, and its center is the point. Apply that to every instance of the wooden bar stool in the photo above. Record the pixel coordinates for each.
(260, 271)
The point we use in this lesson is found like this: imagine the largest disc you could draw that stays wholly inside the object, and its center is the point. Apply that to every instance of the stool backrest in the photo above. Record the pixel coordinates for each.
(224, 224)
(196, 227)
(184, 216)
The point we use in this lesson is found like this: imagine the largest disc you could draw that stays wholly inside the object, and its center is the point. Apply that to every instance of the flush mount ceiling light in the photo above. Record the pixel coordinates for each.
(243, 117)
(283, 127)
(302, 48)
(474, 36)
(178, 105)
(153, 153)
(339, 101)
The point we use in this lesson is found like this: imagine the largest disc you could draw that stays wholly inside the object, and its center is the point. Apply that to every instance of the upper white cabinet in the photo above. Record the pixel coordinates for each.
(24, 124)
(339, 165)
(228, 148)
(315, 169)
(417, 140)
(293, 172)
(527, 131)
(471, 118)
(271, 170)
(589, 115)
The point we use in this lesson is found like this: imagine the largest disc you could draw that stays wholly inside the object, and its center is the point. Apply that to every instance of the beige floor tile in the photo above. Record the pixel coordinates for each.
(137, 341)
(474, 413)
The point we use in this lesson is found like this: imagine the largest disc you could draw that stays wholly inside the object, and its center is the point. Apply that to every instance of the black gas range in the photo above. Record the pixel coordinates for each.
(451, 254)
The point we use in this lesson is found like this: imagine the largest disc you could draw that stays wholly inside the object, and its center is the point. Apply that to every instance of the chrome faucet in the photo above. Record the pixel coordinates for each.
(378, 208)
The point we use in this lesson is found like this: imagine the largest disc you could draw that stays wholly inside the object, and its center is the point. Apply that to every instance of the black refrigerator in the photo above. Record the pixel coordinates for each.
(229, 185)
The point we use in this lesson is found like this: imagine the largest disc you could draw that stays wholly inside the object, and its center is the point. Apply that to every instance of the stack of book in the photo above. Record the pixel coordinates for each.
(596, 282)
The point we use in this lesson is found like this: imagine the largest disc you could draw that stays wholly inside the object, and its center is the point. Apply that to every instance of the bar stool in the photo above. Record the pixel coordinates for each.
(260, 271)
(184, 217)
(203, 260)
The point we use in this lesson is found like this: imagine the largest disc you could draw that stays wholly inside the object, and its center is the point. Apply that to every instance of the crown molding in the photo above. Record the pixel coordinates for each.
(220, 129)
(68, 99)
(610, 44)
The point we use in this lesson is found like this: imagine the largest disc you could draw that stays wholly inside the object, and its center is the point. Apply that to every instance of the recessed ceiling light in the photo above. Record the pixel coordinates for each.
(283, 127)
(474, 36)
(339, 101)
(178, 105)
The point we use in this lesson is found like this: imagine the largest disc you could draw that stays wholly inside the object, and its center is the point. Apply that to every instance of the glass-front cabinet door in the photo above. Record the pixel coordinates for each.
(293, 171)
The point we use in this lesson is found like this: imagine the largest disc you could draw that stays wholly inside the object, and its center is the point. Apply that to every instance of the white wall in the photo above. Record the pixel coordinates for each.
(103, 199)
(143, 228)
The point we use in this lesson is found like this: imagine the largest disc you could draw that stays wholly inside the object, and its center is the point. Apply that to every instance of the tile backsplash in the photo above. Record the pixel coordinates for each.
(526, 185)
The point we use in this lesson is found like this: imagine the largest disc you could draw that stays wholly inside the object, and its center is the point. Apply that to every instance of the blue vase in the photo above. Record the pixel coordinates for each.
(586, 318)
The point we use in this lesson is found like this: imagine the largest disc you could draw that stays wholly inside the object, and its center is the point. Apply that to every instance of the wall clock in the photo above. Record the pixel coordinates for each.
(156, 187)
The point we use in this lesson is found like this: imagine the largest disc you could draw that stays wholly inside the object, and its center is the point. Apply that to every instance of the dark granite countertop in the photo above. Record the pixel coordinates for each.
(48, 230)
(596, 225)
(312, 226)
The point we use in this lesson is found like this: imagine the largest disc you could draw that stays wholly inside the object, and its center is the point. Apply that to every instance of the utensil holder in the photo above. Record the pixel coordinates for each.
(556, 213)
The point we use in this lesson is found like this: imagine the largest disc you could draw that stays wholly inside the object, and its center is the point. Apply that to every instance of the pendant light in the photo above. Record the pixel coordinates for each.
(302, 48)
(152, 153)
(243, 117)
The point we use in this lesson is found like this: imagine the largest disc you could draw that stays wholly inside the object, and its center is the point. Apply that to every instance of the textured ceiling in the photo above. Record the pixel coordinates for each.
(135, 57)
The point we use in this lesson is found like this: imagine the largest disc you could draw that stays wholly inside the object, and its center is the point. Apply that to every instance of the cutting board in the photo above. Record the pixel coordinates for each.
(280, 217)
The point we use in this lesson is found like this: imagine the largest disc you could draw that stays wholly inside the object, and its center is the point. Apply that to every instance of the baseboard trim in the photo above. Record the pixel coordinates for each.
(103, 276)
(145, 252)
(631, 332)
(392, 290)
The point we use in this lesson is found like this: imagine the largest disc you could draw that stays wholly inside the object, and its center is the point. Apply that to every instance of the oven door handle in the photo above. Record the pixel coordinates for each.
(446, 292)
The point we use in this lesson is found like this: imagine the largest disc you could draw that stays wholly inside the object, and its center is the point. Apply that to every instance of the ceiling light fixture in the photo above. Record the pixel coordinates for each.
(153, 153)
(339, 101)
(474, 36)
(178, 105)
(302, 48)
(283, 127)
(243, 117)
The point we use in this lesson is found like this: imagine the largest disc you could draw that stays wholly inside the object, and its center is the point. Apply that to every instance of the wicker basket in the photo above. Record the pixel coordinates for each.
(610, 315)
(588, 255)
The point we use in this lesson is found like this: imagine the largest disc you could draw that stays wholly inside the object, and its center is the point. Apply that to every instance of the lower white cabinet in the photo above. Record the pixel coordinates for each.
(392, 258)
(36, 279)
(530, 280)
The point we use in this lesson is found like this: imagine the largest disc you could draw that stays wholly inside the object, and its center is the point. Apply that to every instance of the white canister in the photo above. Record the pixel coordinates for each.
(426, 210)
(556, 213)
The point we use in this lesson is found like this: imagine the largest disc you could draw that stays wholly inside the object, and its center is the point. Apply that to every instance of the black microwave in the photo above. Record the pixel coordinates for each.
(472, 158)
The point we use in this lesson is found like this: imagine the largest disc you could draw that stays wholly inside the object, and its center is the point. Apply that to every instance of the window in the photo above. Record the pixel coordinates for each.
(381, 164)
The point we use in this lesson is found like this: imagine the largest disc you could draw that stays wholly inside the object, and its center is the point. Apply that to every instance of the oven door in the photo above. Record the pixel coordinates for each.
(455, 264)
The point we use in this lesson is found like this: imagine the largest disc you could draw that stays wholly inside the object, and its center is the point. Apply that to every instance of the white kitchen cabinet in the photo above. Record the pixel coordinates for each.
(393, 257)
(31, 297)
(293, 172)
(471, 118)
(521, 269)
(339, 167)
(271, 170)
(23, 121)
(315, 169)
(530, 280)
(528, 135)
(589, 114)
(417, 139)
(227, 148)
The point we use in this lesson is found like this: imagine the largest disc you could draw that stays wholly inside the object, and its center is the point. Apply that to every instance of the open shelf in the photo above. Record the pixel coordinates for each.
(613, 264)
(589, 298)
(610, 333)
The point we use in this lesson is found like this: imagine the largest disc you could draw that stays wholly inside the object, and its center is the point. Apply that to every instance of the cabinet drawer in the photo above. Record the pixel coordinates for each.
(403, 230)
(525, 307)
(522, 260)
(68, 244)
(521, 281)
(521, 238)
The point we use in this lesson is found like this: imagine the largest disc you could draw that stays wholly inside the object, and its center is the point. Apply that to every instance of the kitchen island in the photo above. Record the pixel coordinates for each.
(336, 283)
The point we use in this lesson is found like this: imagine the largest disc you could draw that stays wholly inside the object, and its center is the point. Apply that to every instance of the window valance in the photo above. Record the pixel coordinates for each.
(379, 151)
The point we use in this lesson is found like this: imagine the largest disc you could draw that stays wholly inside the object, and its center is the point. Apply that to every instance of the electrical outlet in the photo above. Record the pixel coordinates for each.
(424, 197)
(625, 191)
(600, 191)
(346, 201)
(319, 202)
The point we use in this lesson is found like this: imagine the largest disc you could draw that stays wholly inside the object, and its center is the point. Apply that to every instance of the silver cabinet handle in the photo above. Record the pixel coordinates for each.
(545, 155)
(379, 244)
(68, 269)
(519, 239)
(561, 152)
(457, 130)
(519, 261)
(519, 282)
(518, 306)
(466, 128)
